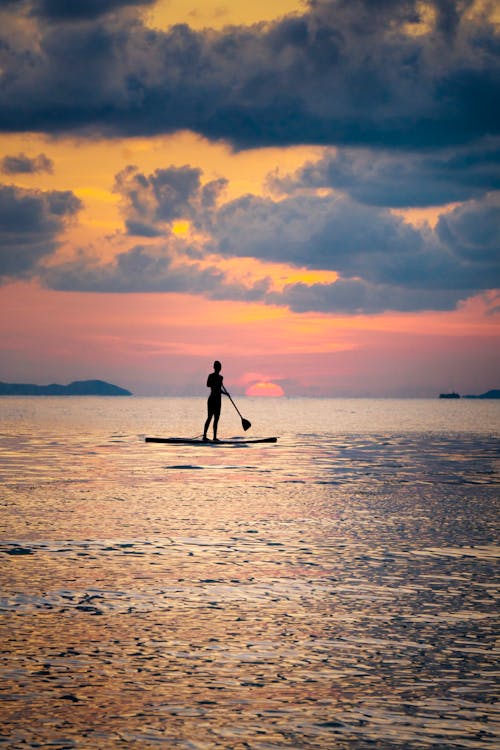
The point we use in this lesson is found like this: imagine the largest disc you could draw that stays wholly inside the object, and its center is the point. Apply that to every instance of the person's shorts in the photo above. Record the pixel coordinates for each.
(214, 405)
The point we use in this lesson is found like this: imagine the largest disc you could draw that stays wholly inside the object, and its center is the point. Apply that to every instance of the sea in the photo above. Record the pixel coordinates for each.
(335, 590)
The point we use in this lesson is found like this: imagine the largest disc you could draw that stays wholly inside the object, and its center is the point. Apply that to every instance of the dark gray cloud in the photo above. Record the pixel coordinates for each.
(69, 10)
(22, 164)
(72, 10)
(327, 233)
(383, 178)
(30, 222)
(356, 296)
(340, 73)
(150, 203)
(140, 269)
(147, 269)
(460, 258)
(472, 231)
(367, 242)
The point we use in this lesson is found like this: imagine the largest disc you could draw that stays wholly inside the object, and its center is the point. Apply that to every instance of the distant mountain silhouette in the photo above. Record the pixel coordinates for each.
(77, 388)
(495, 393)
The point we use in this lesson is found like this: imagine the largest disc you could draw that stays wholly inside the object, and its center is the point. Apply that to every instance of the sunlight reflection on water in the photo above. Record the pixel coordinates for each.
(336, 590)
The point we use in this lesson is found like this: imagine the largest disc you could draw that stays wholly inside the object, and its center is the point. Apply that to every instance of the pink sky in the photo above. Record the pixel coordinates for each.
(158, 344)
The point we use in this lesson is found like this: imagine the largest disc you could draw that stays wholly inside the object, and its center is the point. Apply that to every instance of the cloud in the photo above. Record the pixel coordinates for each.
(444, 267)
(382, 178)
(327, 233)
(473, 231)
(151, 203)
(147, 269)
(22, 164)
(357, 296)
(30, 222)
(383, 262)
(339, 73)
(74, 10)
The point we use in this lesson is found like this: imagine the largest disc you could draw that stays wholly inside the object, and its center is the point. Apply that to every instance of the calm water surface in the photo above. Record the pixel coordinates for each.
(335, 590)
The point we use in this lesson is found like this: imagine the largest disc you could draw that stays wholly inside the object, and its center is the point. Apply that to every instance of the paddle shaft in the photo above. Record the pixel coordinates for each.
(231, 400)
(244, 422)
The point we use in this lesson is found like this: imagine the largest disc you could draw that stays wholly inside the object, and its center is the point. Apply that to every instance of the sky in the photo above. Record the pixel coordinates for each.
(307, 191)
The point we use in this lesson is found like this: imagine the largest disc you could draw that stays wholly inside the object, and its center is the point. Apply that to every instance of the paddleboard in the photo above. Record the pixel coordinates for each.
(198, 441)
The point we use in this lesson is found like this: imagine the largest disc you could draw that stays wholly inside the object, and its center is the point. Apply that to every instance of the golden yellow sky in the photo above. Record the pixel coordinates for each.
(88, 168)
(213, 14)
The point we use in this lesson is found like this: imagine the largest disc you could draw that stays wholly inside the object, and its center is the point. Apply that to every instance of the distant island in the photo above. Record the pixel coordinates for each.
(495, 393)
(77, 388)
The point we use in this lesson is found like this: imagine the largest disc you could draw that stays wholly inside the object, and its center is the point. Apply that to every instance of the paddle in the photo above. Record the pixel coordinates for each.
(244, 422)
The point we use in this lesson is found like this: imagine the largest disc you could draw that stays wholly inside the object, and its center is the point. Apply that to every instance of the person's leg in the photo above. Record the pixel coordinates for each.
(207, 422)
(216, 423)
(216, 413)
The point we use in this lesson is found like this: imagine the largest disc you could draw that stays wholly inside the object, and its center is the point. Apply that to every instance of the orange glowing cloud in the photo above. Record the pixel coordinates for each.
(264, 388)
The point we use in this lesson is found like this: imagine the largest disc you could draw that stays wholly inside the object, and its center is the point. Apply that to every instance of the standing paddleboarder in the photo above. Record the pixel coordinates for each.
(214, 382)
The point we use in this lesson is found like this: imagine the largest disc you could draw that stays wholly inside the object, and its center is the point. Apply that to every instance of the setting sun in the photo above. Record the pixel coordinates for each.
(264, 389)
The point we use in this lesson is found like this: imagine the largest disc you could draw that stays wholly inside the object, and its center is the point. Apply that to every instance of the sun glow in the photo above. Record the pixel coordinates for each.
(263, 388)
(181, 228)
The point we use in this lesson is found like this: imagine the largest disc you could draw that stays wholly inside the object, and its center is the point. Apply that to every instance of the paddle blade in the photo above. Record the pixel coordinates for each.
(246, 424)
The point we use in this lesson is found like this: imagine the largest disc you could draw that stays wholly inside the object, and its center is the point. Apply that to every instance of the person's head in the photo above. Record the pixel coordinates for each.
(217, 366)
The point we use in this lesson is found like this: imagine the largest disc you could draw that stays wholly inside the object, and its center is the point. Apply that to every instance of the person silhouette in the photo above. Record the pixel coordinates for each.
(214, 382)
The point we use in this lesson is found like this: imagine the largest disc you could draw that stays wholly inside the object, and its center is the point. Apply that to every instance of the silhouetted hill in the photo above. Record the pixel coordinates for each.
(495, 393)
(77, 388)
